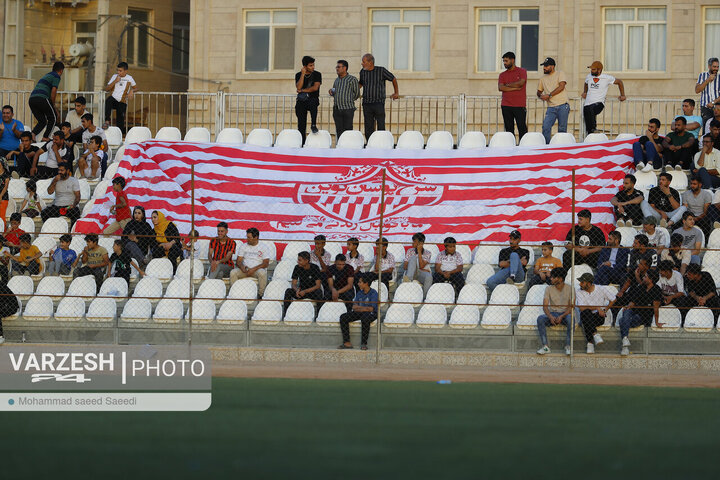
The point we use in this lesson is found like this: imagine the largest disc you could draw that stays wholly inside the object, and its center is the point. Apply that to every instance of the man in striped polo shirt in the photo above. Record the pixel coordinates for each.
(345, 91)
(42, 101)
(221, 252)
(708, 86)
(372, 81)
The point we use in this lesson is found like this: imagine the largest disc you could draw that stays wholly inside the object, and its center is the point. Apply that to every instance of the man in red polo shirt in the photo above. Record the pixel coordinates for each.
(512, 85)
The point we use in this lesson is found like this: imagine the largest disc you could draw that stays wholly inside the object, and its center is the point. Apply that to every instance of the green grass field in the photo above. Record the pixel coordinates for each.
(276, 428)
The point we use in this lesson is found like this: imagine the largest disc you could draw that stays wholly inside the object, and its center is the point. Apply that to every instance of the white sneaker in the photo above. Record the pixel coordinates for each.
(648, 168)
(597, 339)
(567, 349)
(625, 351)
(590, 348)
(625, 342)
(545, 349)
(621, 223)
(639, 166)
(2, 340)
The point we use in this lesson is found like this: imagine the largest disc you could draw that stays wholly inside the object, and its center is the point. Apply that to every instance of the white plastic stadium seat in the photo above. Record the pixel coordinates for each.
(275, 289)
(442, 294)
(645, 180)
(300, 313)
(440, 140)
(411, 140)
(106, 243)
(410, 293)
(183, 269)
(472, 140)
(487, 254)
(260, 137)
(399, 315)
(178, 288)
(198, 134)
(679, 181)
(382, 292)
(290, 138)
(472, 294)
(115, 287)
(229, 136)
(322, 139)
(527, 318)
(213, 289)
(330, 313)
(78, 244)
(713, 241)
(267, 313)
(85, 188)
(292, 249)
(45, 244)
(465, 316)
(502, 140)
(596, 138)
(203, 311)
(100, 189)
(351, 139)
(22, 286)
(114, 136)
(579, 270)
(101, 310)
(381, 139)
(479, 274)
(563, 138)
(283, 270)
(137, 135)
(625, 136)
(244, 289)
(70, 309)
(627, 236)
(137, 310)
(150, 288)
(160, 268)
(432, 316)
(27, 224)
(168, 310)
(53, 287)
(671, 319)
(202, 246)
(169, 134)
(531, 139)
(232, 311)
(398, 252)
(505, 294)
(16, 190)
(83, 287)
(54, 228)
(699, 319)
(42, 190)
(38, 309)
(536, 295)
(119, 154)
(496, 317)
(465, 253)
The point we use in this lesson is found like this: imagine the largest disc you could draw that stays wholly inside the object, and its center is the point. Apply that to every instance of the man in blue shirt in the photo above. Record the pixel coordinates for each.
(694, 122)
(10, 130)
(364, 309)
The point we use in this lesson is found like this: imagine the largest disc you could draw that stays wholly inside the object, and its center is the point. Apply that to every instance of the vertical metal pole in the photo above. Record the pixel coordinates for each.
(572, 274)
(192, 252)
(377, 267)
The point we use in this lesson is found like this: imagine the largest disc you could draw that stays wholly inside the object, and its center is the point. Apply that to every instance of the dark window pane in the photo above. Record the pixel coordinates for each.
(181, 19)
(529, 15)
(257, 49)
(143, 47)
(284, 48)
(529, 45)
(130, 35)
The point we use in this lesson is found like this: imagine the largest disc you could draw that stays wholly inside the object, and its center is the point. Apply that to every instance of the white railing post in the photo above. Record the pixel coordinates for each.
(461, 116)
(220, 112)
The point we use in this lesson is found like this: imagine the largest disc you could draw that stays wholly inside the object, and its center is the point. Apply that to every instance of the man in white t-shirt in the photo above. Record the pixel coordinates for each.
(73, 118)
(91, 130)
(252, 261)
(122, 86)
(593, 301)
(595, 91)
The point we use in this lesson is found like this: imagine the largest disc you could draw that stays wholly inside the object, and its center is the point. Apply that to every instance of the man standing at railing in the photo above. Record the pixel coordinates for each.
(372, 81)
(122, 86)
(513, 84)
(595, 91)
(708, 86)
(345, 91)
(307, 84)
(42, 102)
(551, 89)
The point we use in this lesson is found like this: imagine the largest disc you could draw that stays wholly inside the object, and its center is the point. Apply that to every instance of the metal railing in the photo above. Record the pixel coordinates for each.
(454, 113)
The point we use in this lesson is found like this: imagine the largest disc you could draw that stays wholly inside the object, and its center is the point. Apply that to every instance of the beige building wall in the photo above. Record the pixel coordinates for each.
(570, 31)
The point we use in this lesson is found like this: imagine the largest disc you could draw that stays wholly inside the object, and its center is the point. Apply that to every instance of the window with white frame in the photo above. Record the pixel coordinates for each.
(138, 38)
(711, 18)
(181, 42)
(269, 40)
(400, 38)
(635, 39)
(85, 32)
(501, 30)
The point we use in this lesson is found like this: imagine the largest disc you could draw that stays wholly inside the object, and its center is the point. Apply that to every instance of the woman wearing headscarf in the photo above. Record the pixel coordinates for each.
(138, 235)
(167, 239)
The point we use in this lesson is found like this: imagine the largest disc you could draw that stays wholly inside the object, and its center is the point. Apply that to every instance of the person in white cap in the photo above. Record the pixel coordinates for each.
(594, 92)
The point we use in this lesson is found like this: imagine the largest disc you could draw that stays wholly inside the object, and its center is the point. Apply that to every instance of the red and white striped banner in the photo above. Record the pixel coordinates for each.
(473, 195)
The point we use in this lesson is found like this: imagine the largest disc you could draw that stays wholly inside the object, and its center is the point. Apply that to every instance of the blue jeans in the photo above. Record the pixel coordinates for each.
(708, 181)
(628, 320)
(650, 155)
(503, 274)
(544, 321)
(674, 216)
(559, 113)
(606, 275)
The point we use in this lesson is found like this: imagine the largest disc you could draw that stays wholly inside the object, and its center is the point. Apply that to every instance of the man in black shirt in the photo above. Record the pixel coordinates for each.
(372, 81)
(306, 282)
(647, 155)
(700, 289)
(24, 155)
(645, 303)
(633, 281)
(340, 277)
(641, 249)
(307, 84)
(512, 261)
(663, 202)
(589, 241)
(627, 203)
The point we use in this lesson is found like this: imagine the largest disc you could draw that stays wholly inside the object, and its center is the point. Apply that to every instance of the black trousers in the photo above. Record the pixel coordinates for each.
(590, 321)
(301, 111)
(373, 113)
(366, 318)
(346, 297)
(591, 259)
(682, 157)
(456, 280)
(98, 273)
(120, 108)
(44, 111)
(516, 114)
(175, 251)
(384, 278)
(713, 303)
(291, 294)
(706, 114)
(343, 121)
(590, 112)
(52, 211)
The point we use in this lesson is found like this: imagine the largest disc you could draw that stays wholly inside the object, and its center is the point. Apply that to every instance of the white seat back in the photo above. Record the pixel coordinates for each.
(300, 312)
(51, 287)
(351, 139)
(114, 287)
(409, 292)
(381, 139)
(183, 269)
(472, 294)
(472, 140)
(244, 289)
(268, 311)
(596, 138)
(178, 288)
(70, 309)
(502, 140)
(505, 294)
(465, 315)
(562, 138)
(232, 311)
(440, 140)
(289, 138)
(203, 311)
(198, 134)
(435, 315)
(137, 135)
(399, 315)
(137, 310)
(149, 287)
(532, 139)
(497, 316)
(229, 136)
(169, 310)
(411, 140)
(160, 268)
(22, 286)
(114, 136)
(625, 136)
(322, 139)
(330, 312)
(83, 287)
(170, 134)
(101, 310)
(212, 288)
(275, 290)
(260, 137)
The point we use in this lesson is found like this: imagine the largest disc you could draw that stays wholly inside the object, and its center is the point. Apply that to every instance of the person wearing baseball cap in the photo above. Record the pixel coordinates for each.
(593, 301)
(594, 92)
(512, 261)
(551, 89)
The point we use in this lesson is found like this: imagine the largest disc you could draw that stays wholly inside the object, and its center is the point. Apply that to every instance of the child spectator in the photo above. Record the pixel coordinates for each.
(93, 160)
(449, 266)
(13, 233)
(187, 244)
(23, 156)
(33, 204)
(95, 259)
(354, 259)
(27, 261)
(544, 265)
(121, 209)
(63, 258)
(65, 128)
(122, 261)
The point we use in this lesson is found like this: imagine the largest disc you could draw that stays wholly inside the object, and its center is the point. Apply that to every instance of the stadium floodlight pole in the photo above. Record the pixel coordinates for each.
(572, 270)
(377, 266)
(192, 252)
